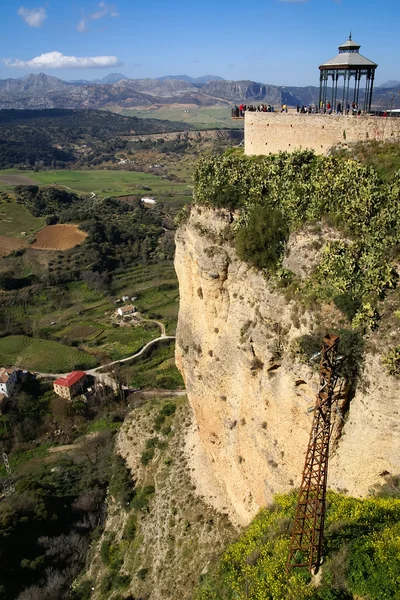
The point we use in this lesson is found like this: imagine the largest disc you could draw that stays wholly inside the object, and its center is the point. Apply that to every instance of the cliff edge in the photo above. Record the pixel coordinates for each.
(252, 398)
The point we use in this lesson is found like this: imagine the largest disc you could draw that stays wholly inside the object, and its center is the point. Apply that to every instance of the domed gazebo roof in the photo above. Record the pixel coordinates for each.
(348, 58)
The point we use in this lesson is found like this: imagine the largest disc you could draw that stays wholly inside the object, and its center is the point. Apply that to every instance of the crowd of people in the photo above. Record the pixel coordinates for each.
(327, 108)
(323, 108)
(238, 111)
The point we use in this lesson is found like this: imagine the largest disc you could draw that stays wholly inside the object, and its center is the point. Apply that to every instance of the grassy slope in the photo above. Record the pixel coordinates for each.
(42, 355)
(15, 218)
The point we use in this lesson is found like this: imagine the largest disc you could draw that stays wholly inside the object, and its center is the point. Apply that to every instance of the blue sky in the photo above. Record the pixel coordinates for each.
(274, 41)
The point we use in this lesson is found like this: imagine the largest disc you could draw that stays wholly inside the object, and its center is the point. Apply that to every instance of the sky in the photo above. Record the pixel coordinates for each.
(280, 42)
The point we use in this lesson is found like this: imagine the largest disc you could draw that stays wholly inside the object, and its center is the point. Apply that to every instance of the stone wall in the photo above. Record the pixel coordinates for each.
(267, 133)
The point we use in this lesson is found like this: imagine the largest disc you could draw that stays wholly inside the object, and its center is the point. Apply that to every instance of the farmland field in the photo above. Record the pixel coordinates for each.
(8, 244)
(102, 183)
(59, 237)
(204, 117)
(42, 355)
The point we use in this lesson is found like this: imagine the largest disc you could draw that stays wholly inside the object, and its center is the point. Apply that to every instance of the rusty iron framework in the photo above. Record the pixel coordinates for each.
(308, 528)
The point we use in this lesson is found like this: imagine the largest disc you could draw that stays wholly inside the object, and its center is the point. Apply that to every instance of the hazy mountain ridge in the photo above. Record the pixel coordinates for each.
(204, 79)
(43, 91)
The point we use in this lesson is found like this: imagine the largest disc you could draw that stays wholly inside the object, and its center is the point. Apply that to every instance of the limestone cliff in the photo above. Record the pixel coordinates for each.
(251, 398)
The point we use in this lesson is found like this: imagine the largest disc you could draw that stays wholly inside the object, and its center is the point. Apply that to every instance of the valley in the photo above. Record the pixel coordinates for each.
(149, 484)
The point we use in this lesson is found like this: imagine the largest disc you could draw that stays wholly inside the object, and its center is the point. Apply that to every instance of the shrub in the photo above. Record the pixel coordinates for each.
(261, 241)
(130, 528)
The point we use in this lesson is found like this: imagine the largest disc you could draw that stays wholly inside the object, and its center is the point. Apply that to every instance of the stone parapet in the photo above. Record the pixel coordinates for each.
(267, 133)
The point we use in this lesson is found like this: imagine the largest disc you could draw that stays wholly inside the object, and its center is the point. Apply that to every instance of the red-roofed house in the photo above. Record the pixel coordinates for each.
(69, 386)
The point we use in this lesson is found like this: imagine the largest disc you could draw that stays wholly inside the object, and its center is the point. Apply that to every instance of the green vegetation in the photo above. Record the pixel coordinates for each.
(104, 183)
(155, 370)
(62, 461)
(384, 157)
(362, 555)
(354, 272)
(261, 240)
(42, 355)
(58, 137)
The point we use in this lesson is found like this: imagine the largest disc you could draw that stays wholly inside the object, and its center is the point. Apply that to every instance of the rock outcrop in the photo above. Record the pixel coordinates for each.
(252, 399)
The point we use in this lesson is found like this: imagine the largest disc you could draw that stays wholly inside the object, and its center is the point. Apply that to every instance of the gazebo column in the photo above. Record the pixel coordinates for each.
(344, 92)
(371, 88)
(321, 88)
(367, 88)
(358, 86)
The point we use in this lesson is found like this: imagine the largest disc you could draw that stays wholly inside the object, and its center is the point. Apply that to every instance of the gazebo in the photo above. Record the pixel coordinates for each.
(349, 63)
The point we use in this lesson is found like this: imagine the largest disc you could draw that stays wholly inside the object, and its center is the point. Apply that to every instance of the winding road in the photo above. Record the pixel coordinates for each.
(96, 371)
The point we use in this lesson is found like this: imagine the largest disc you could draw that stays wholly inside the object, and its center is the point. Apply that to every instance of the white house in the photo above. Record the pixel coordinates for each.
(8, 380)
(126, 310)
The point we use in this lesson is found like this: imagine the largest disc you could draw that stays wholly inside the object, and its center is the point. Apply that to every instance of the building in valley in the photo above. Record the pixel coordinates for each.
(8, 380)
(71, 385)
(129, 309)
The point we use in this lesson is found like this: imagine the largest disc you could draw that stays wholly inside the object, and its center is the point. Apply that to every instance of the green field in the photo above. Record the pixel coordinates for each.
(104, 183)
(42, 355)
(203, 117)
(15, 219)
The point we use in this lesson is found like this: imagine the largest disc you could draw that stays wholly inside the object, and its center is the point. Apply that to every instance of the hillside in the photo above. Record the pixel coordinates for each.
(57, 137)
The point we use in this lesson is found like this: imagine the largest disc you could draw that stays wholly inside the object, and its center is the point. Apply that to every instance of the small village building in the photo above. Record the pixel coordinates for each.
(123, 311)
(71, 385)
(125, 298)
(8, 380)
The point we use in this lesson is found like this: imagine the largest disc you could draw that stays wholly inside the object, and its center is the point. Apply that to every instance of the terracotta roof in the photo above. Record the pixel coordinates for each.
(5, 374)
(70, 379)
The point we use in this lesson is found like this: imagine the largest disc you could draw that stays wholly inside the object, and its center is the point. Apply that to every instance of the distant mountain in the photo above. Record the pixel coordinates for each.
(250, 91)
(112, 78)
(203, 79)
(33, 84)
(43, 91)
(391, 83)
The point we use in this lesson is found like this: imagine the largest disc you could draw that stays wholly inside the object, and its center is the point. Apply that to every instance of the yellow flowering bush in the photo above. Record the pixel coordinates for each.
(364, 534)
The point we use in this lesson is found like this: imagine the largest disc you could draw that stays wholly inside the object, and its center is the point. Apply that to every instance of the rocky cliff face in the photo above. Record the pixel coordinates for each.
(252, 400)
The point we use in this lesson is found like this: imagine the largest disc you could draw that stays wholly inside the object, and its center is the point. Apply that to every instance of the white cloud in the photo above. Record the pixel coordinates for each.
(33, 17)
(56, 60)
(82, 25)
(103, 10)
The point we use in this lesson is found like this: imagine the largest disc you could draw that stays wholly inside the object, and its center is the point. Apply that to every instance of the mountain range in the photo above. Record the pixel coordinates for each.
(115, 90)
